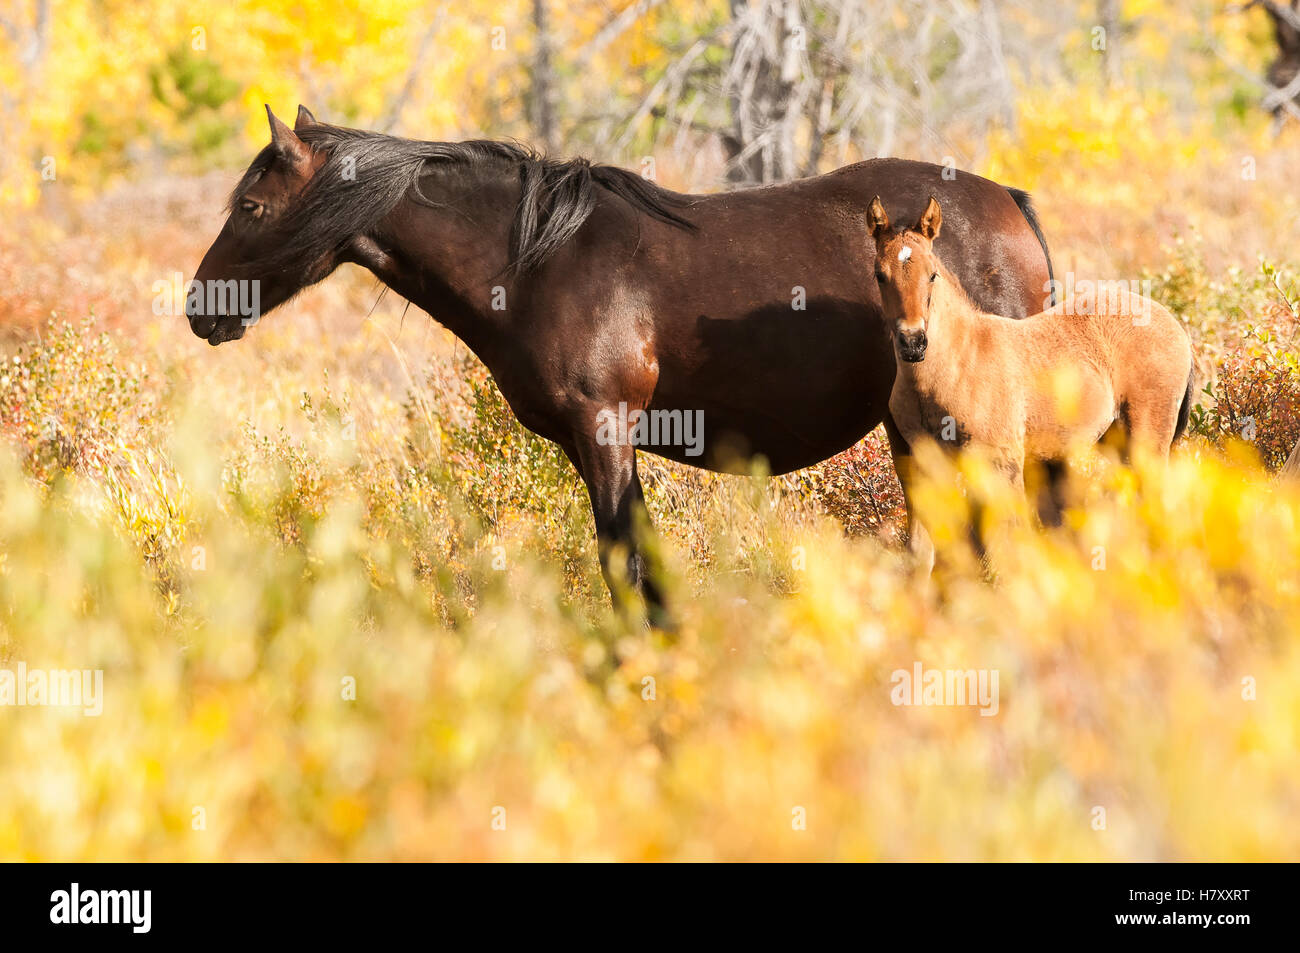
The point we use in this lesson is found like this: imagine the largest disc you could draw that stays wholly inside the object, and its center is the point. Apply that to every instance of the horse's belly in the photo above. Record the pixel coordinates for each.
(1073, 415)
(727, 441)
(792, 390)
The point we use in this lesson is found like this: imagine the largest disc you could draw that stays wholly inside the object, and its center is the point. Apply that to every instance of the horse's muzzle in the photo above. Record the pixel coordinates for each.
(217, 328)
(911, 347)
(225, 330)
(202, 325)
(220, 309)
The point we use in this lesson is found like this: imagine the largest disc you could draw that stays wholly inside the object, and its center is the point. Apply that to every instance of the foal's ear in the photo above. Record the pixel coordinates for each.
(931, 219)
(305, 119)
(877, 218)
(286, 141)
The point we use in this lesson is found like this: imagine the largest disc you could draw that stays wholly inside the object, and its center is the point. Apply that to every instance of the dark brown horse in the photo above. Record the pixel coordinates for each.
(592, 294)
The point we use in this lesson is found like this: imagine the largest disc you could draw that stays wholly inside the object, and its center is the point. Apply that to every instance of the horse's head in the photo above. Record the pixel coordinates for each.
(906, 270)
(244, 274)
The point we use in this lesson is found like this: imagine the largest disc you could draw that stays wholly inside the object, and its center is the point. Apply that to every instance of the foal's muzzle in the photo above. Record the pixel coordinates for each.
(911, 347)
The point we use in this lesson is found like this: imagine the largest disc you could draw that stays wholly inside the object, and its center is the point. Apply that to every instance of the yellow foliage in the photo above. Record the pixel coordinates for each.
(312, 699)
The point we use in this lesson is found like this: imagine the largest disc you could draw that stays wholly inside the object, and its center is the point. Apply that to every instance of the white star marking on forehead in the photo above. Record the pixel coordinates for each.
(905, 253)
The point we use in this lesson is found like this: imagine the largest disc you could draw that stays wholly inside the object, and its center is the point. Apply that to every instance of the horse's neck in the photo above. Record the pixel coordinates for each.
(952, 332)
(449, 254)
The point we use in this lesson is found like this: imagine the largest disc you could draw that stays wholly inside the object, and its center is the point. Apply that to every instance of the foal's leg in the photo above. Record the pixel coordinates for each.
(1151, 428)
(1010, 464)
(918, 540)
(1050, 497)
(618, 505)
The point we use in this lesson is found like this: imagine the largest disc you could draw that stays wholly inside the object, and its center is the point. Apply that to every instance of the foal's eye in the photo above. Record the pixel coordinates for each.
(880, 276)
(934, 276)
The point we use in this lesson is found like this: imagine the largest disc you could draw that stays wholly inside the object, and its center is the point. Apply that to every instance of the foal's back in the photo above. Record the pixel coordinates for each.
(1091, 360)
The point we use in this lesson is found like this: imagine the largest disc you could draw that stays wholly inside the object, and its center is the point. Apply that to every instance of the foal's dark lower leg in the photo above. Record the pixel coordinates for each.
(618, 505)
(1051, 495)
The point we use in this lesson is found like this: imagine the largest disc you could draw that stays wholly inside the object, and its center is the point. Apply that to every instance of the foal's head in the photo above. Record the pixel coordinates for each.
(233, 285)
(907, 270)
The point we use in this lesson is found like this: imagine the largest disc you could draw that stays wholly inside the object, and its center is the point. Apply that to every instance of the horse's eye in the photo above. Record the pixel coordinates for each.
(252, 208)
(934, 276)
(880, 276)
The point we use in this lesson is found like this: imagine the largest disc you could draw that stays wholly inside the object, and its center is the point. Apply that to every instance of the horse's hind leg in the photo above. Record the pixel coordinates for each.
(1151, 426)
(1116, 437)
(618, 505)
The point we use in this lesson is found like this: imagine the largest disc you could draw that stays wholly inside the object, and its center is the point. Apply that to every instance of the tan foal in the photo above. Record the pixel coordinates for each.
(1037, 388)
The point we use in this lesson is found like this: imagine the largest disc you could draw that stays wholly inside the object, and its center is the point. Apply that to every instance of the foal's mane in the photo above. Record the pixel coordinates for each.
(958, 292)
(366, 174)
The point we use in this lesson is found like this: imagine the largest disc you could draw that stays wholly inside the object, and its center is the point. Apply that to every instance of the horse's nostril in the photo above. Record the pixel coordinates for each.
(203, 324)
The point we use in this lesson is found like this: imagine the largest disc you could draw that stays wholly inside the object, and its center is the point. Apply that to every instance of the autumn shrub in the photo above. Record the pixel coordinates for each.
(1245, 328)
(859, 488)
(506, 468)
(73, 402)
(1255, 398)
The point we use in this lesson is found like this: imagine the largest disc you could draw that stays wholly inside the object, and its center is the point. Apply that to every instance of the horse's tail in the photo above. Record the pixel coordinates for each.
(1185, 408)
(1027, 210)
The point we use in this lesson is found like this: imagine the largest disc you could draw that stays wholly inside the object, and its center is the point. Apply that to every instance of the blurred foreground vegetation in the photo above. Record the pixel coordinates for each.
(370, 632)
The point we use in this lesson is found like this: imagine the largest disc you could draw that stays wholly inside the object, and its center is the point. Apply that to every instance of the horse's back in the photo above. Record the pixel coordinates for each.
(1128, 323)
(986, 241)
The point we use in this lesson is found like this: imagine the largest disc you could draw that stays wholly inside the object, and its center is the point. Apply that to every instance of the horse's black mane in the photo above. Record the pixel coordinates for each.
(366, 174)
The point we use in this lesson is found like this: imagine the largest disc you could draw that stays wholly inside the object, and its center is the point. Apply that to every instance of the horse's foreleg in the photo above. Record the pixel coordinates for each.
(1010, 464)
(918, 540)
(618, 505)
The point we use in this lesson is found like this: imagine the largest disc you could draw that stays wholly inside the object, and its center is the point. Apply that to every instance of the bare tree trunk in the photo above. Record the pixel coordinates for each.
(1284, 72)
(392, 116)
(544, 79)
(761, 80)
(1108, 12)
(32, 46)
(806, 82)
(998, 63)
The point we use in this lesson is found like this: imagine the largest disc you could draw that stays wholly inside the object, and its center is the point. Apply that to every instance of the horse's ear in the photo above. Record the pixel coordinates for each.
(305, 119)
(877, 218)
(931, 220)
(286, 142)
